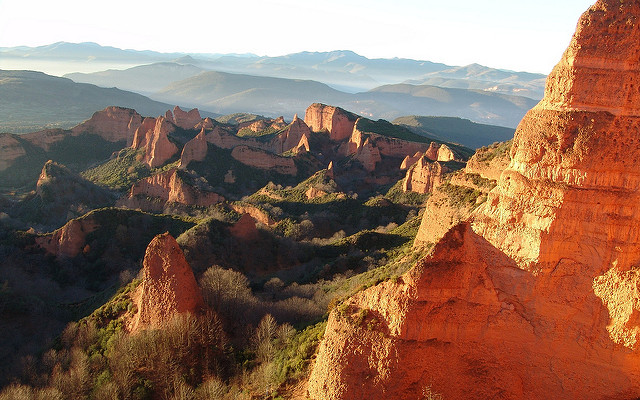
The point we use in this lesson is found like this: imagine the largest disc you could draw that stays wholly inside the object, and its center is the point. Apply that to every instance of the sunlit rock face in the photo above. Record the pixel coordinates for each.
(153, 136)
(168, 287)
(334, 120)
(537, 295)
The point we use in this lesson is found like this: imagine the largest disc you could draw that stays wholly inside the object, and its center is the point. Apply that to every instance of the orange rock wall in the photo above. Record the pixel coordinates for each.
(537, 297)
(334, 120)
(168, 286)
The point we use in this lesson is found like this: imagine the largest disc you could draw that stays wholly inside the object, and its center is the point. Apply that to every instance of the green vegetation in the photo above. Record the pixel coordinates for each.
(399, 196)
(460, 196)
(238, 118)
(495, 150)
(246, 132)
(120, 172)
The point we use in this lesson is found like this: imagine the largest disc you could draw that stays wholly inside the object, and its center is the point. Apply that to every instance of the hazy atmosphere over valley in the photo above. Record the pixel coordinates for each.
(337, 200)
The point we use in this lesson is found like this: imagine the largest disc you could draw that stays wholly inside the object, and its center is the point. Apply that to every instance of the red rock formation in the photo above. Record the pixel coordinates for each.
(410, 160)
(186, 120)
(245, 229)
(330, 171)
(264, 160)
(423, 176)
(168, 187)
(303, 145)
(334, 120)
(538, 298)
(194, 150)
(440, 152)
(206, 124)
(291, 137)
(256, 213)
(69, 240)
(368, 155)
(314, 192)
(489, 162)
(168, 287)
(432, 151)
(114, 124)
(445, 153)
(153, 137)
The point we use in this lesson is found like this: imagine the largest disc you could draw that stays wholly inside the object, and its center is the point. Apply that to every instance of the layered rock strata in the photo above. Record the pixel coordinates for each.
(538, 296)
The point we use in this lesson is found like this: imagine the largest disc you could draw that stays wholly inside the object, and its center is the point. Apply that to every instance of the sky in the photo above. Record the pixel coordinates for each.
(520, 35)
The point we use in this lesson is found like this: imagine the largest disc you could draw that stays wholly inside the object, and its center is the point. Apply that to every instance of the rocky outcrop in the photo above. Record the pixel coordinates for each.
(441, 213)
(172, 186)
(368, 154)
(168, 287)
(303, 145)
(153, 137)
(194, 150)
(292, 137)
(440, 152)
(184, 119)
(537, 297)
(256, 213)
(410, 160)
(445, 153)
(264, 160)
(424, 175)
(334, 120)
(490, 161)
(68, 241)
(245, 229)
(114, 124)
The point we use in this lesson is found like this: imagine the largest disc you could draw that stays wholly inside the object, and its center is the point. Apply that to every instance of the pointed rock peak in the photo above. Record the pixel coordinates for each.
(194, 150)
(168, 285)
(295, 118)
(330, 171)
(169, 116)
(245, 228)
(53, 169)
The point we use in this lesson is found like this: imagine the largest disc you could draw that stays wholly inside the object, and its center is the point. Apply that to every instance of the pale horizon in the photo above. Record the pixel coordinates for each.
(518, 36)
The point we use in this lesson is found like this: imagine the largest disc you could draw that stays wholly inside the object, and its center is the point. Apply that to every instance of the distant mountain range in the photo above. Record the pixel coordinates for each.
(285, 85)
(225, 93)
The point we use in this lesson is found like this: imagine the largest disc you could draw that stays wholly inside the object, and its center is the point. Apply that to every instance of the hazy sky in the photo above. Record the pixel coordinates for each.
(514, 34)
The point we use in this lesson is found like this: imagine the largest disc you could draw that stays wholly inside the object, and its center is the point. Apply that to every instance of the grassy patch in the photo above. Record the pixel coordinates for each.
(120, 172)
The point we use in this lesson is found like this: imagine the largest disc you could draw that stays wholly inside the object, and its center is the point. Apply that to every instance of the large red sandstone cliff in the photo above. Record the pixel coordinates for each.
(334, 120)
(538, 296)
(153, 136)
(113, 124)
(168, 287)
